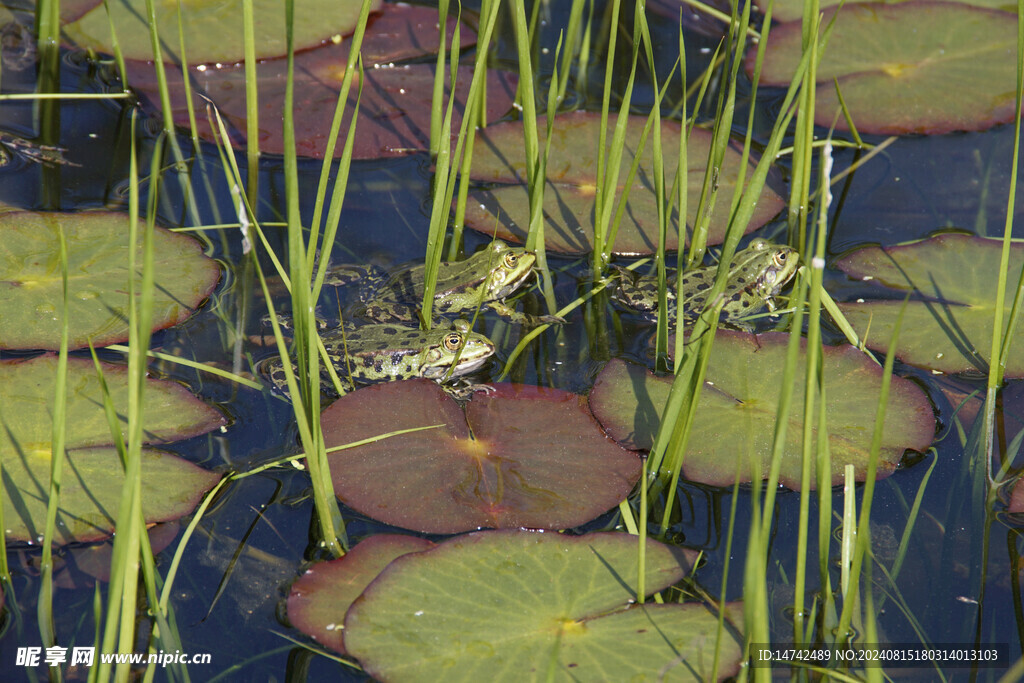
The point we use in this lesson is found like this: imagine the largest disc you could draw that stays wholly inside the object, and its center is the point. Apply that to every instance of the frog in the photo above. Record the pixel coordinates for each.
(484, 280)
(756, 275)
(387, 351)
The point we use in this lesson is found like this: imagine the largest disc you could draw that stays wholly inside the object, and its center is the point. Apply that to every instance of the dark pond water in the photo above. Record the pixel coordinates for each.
(257, 537)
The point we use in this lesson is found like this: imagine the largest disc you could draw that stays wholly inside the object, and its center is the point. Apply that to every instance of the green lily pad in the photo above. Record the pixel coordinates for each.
(897, 64)
(518, 457)
(213, 28)
(90, 493)
(320, 598)
(792, 10)
(572, 172)
(735, 421)
(513, 606)
(91, 490)
(948, 325)
(97, 245)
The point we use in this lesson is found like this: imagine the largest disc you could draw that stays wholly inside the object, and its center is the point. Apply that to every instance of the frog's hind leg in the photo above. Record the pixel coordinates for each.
(369, 279)
(272, 370)
(512, 315)
(391, 312)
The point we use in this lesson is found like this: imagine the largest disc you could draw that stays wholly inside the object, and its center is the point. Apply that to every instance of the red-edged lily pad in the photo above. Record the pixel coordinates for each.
(897, 64)
(513, 605)
(396, 104)
(1016, 502)
(319, 600)
(213, 29)
(518, 457)
(97, 247)
(948, 325)
(735, 421)
(93, 473)
(572, 174)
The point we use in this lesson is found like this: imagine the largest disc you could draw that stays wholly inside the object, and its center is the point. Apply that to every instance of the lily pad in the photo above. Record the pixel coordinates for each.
(897, 64)
(948, 325)
(396, 104)
(213, 28)
(97, 247)
(518, 457)
(735, 421)
(513, 606)
(91, 490)
(793, 10)
(572, 173)
(319, 599)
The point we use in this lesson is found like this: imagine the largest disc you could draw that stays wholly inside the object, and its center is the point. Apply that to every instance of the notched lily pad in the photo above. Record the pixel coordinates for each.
(519, 457)
(213, 28)
(509, 605)
(572, 174)
(948, 324)
(896, 65)
(320, 598)
(93, 472)
(735, 421)
(97, 247)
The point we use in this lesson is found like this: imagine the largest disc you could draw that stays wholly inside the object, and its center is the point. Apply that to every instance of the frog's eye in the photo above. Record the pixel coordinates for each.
(779, 258)
(452, 341)
(510, 260)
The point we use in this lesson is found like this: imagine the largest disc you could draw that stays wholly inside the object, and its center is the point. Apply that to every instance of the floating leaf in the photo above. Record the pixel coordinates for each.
(513, 606)
(91, 490)
(319, 600)
(948, 325)
(1016, 503)
(97, 246)
(735, 421)
(396, 104)
(519, 457)
(792, 10)
(897, 65)
(572, 174)
(213, 28)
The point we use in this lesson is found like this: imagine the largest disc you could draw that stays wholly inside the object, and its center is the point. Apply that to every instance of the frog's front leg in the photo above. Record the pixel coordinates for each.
(462, 389)
(506, 311)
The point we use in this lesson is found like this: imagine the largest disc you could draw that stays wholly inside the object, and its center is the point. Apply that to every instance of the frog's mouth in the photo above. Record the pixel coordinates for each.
(466, 367)
(510, 287)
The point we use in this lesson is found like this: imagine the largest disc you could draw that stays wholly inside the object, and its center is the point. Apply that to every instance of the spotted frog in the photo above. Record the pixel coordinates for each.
(756, 275)
(385, 352)
(485, 279)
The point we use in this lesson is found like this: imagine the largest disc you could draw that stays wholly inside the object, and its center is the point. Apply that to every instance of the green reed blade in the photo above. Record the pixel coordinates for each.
(1001, 343)
(353, 63)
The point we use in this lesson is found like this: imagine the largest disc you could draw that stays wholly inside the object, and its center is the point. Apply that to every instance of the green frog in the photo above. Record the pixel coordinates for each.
(385, 352)
(484, 280)
(756, 275)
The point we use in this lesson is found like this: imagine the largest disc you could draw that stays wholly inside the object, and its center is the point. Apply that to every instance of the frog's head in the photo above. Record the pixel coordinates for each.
(509, 268)
(777, 263)
(457, 348)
